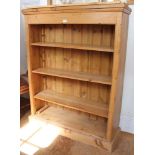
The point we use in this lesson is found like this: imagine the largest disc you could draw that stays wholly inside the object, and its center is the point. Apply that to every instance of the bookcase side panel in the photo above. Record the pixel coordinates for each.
(117, 75)
(33, 61)
(120, 81)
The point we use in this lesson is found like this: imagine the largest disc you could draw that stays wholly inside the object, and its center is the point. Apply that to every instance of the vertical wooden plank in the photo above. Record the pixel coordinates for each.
(59, 56)
(43, 39)
(46, 33)
(84, 54)
(105, 62)
(84, 65)
(42, 48)
(33, 62)
(107, 41)
(120, 81)
(117, 75)
(89, 34)
(51, 57)
(96, 38)
(94, 91)
(52, 32)
(76, 67)
(52, 38)
(103, 56)
(36, 37)
(102, 97)
(67, 52)
(106, 36)
(112, 36)
(50, 52)
(51, 83)
(114, 81)
(76, 57)
(89, 42)
(106, 58)
(95, 56)
(67, 58)
(59, 51)
(29, 60)
(47, 50)
(95, 61)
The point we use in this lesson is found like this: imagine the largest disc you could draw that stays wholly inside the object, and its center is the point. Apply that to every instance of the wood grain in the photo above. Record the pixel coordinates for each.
(84, 7)
(73, 46)
(74, 121)
(118, 76)
(74, 75)
(92, 107)
(76, 59)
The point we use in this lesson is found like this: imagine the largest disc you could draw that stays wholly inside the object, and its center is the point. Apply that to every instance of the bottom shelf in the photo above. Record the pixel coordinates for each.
(74, 121)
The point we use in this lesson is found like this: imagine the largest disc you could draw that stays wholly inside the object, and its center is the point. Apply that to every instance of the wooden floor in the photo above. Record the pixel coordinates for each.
(64, 146)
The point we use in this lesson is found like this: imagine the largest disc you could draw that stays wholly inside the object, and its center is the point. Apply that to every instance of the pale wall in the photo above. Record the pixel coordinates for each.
(127, 113)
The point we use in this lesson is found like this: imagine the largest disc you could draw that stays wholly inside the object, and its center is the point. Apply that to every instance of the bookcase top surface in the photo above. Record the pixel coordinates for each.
(102, 6)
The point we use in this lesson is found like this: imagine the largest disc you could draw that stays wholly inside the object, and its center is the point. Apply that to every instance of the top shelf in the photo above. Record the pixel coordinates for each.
(74, 46)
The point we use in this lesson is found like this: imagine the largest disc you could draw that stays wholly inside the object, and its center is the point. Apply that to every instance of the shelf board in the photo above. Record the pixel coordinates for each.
(91, 107)
(74, 75)
(73, 46)
(73, 121)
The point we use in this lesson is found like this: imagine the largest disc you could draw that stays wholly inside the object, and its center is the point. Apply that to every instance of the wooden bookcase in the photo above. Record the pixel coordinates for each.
(76, 58)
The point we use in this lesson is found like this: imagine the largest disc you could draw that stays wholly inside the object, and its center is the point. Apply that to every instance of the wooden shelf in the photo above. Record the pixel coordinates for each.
(92, 107)
(74, 46)
(75, 75)
(73, 122)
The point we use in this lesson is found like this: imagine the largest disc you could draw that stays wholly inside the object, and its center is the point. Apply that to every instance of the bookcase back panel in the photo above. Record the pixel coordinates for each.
(94, 62)
(81, 89)
(94, 35)
(86, 90)
(74, 60)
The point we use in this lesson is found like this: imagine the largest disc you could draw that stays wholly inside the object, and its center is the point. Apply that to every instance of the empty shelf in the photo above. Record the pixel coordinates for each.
(73, 121)
(92, 107)
(75, 75)
(74, 46)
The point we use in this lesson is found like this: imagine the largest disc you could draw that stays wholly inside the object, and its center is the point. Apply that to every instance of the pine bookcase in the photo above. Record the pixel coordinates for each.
(76, 58)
